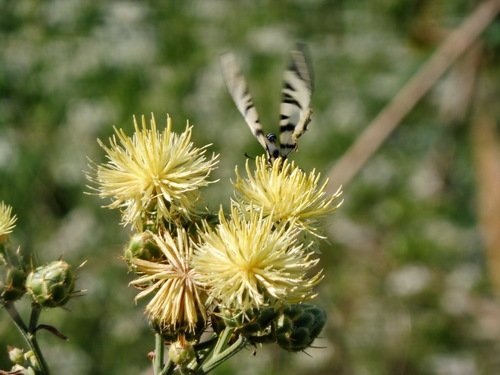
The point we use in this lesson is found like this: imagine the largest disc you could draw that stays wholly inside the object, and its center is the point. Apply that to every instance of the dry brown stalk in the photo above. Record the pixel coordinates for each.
(390, 117)
(486, 151)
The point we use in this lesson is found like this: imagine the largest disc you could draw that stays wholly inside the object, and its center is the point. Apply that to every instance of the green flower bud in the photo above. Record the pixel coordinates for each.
(12, 275)
(181, 352)
(12, 283)
(51, 285)
(30, 357)
(298, 326)
(16, 355)
(22, 359)
(142, 246)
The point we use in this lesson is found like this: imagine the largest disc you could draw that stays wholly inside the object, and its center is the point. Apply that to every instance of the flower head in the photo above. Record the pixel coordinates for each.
(51, 285)
(179, 300)
(7, 220)
(285, 193)
(246, 262)
(153, 175)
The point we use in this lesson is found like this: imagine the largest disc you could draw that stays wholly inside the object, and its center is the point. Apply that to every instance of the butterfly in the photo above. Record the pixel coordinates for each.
(295, 110)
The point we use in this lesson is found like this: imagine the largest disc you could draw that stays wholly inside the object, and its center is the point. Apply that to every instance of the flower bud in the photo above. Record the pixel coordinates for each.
(298, 326)
(142, 246)
(181, 353)
(51, 285)
(16, 355)
(12, 274)
(30, 357)
(12, 282)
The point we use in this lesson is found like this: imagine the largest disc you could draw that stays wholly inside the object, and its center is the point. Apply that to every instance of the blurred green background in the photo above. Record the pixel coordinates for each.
(407, 285)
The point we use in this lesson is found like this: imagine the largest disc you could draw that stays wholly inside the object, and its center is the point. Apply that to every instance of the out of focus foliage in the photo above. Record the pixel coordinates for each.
(407, 288)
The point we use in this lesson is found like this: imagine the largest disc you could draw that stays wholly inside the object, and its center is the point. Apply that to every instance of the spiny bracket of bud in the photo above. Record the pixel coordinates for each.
(257, 325)
(51, 285)
(298, 325)
(171, 334)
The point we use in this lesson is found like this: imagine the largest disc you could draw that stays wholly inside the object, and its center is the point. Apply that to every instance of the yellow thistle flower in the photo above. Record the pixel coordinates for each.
(179, 301)
(153, 175)
(248, 263)
(285, 193)
(7, 220)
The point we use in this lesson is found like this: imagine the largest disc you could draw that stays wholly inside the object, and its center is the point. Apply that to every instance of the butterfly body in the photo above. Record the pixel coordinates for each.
(295, 111)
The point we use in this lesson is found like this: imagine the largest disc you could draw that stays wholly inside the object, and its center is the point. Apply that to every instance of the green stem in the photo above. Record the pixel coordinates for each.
(168, 369)
(221, 353)
(35, 315)
(159, 353)
(38, 354)
(36, 310)
(29, 334)
(223, 339)
(16, 318)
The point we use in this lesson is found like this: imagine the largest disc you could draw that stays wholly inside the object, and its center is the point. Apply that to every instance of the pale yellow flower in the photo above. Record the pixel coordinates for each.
(153, 175)
(7, 220)
(285, 193)
(246, 262)
(179, 301)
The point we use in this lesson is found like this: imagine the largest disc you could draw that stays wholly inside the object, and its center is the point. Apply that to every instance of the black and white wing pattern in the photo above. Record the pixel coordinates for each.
(295, 111)
(238, 88)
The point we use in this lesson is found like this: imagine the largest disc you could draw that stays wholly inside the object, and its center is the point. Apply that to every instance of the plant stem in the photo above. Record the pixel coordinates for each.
(221, 353)
(168, 369)
(38, 354)
(35, 315)
(159, 352)
(16, 318)
(29, 334)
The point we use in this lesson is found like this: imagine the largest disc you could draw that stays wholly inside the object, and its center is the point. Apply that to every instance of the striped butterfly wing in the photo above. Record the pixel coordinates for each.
(295, 111)
(238, 88)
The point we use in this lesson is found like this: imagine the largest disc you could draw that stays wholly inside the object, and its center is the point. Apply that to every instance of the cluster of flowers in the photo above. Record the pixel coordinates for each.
(48, 286)
(220, 280)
